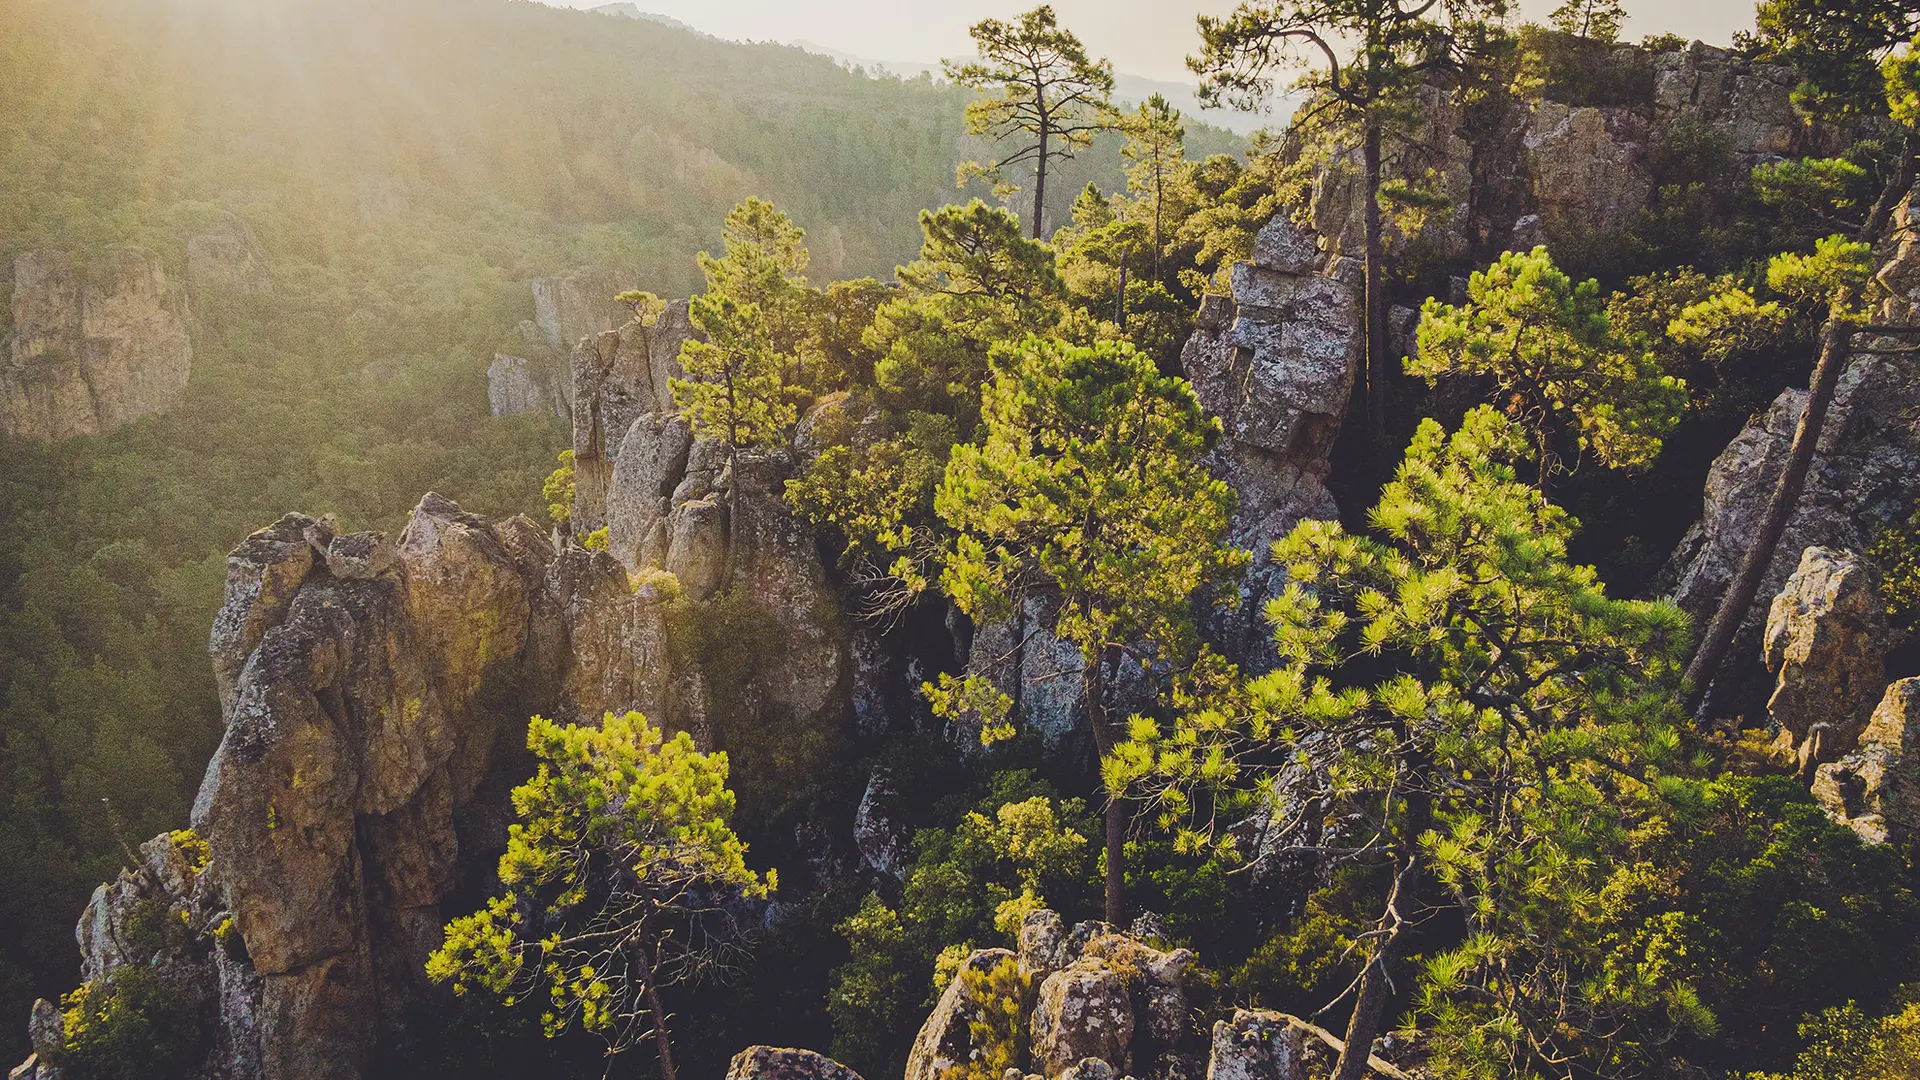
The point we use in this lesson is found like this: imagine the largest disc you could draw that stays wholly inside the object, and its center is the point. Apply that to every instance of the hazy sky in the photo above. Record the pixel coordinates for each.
(1141, 37)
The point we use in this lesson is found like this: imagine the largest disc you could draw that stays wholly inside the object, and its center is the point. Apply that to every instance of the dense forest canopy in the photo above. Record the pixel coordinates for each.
(1263, 538)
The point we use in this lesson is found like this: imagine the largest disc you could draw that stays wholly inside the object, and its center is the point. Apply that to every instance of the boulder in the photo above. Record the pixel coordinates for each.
(1866, 471)
(1256, 1046)
(945, 1041)
(778, 1063)
(1158, 992)
(1826, 640)
(93, 347)
(1043, 945)
(1875, 790)
(1082, 1011)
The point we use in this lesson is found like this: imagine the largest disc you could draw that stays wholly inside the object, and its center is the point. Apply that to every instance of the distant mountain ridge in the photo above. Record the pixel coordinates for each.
(1127, 89)
(632, 11)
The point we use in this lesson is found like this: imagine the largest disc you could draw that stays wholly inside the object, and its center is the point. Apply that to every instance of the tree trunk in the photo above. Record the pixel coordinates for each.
(661, 1039)
(1370, 1002)
(1116, 840)
(1834, 350)
(1376, 373)
(1040, 183)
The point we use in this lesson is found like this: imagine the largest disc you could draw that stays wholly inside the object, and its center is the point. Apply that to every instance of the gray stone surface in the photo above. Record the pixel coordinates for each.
(94, 345)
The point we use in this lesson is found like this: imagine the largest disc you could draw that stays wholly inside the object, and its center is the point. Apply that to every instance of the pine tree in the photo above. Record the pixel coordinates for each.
(1548, 343)
(1457, 702)
(1086, 486)
(1049, 93)
(1156, 148)
(620, 876)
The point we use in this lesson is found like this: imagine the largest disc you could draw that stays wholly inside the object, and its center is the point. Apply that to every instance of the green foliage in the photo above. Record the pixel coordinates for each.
(133, 1023)
(738, 379)
(1017, 849)
(622, 844)
(1506, 738)
(781, 768)
(1772, 911)
(1087, 482)
(994, 1031)
(1051, 95)
(1549, 344)
(1835, 273)
(596, 540)
(1846, 1044)
(1896, 549)
(1837, 47)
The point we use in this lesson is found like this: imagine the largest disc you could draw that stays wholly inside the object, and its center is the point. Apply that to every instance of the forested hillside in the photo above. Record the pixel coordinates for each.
(1430, 593)
(405, 169)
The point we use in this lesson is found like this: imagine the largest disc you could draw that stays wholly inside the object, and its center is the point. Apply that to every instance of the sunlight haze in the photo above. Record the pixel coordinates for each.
(1142, 37)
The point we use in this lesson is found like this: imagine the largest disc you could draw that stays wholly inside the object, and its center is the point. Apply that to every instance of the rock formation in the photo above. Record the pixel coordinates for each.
(1866, 472)
(532, 373)
(376, 696)
(1575, 167)
(95, 344)
(1875, 790)
(1256, 1046)
(1095, 1004)
(619, 377)
(776, 1063)
(1826, 637)
(1276, 364)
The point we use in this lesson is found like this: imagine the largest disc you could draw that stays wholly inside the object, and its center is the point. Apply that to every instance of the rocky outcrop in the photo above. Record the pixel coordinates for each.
(1581, 159)
(533, 372)
(95, 343)
(776, 1063)
(1276, 364)
(1866, 471)
(1096, 1004)
(227, 260)
(1826, 638)
(376, 694)
(670, 503)
(946, 1039)
(361, 725)
(618, 377)
(1256, 1046)
(1875, 790)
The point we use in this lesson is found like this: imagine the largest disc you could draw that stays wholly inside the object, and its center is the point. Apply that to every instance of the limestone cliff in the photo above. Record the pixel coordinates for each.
(94, 345)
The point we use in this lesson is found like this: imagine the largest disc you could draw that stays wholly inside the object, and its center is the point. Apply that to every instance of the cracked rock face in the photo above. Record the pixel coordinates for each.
(1276, 364)
(94, 346)
(1865, 472)
(361, 723)
(1875, 790)
(1826, 639)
